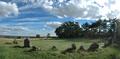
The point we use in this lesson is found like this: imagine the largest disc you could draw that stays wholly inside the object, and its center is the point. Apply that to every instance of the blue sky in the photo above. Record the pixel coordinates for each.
(31, 17)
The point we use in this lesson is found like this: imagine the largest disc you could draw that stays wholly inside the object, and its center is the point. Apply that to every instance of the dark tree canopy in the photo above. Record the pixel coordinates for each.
(68, 30)
(48, 35)
(99, 29)
(37, 35)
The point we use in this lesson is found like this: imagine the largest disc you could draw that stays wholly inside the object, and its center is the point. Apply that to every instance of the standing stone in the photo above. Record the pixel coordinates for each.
(108, 43)
(93, 47)
(69, 50)
(26, 43)
(81, 48)
(15, 41)
(54, 48)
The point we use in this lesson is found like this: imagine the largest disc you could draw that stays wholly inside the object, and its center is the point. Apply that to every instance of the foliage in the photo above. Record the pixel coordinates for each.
(37, 35)
(68, 30)
(48, 35)
(100, 28)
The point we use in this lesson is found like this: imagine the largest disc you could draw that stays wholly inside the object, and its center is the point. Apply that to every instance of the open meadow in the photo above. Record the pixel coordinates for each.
(7, 50)
(59, 29)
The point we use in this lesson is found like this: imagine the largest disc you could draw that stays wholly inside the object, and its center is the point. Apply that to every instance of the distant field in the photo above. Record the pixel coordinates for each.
(8, 52)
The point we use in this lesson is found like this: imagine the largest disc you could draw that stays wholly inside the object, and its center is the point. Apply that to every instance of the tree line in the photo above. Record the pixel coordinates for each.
(102, 28)
(98, 29)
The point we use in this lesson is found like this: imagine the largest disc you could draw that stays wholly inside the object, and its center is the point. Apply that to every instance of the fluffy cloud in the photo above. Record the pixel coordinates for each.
(7, 9)
(84, 8)
(74, 8)
(54, 24)
(77, 8)
(6, 28)
(15, 30)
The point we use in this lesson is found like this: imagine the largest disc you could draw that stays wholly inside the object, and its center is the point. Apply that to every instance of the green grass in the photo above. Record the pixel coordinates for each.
(8, 52)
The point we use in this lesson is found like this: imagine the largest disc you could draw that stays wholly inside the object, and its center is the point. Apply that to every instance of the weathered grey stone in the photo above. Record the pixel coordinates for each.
(26, 43)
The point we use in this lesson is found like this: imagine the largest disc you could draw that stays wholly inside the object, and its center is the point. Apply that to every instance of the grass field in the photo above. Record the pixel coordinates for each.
(8, 52)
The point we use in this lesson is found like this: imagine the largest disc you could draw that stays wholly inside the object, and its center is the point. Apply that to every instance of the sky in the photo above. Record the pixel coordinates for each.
(31, 17)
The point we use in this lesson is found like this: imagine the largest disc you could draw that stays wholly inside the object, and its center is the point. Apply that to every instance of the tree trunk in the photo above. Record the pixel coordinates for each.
(117, 40)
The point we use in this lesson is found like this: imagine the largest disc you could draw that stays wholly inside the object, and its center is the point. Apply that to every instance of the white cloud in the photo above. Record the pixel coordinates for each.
(54, 24)
(12, 28)
(84, 8)
(77, 8)
(15, 30)
(7, 9)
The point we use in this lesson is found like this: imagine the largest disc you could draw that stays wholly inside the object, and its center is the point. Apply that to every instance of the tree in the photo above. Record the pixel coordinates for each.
(96, 24)
(68, 30)
(86, 26)
(86, 29)
(48, 35)
(114, 31)
(117, 32)
(37, 36)
(92, 30)
(97, 29)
